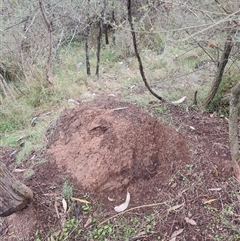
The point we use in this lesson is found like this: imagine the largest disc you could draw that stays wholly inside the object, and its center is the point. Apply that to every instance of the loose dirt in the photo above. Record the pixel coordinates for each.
(107, 147)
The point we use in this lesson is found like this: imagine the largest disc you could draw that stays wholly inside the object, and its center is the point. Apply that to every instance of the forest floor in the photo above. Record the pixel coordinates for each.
(173, 160)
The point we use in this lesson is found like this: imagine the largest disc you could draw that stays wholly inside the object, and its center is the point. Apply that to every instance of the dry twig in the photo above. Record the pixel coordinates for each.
(132, 209)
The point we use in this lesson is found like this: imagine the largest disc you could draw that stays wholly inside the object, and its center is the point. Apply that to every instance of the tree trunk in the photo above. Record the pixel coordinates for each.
(130, 20)
(113, 24)
(88, 29)
(49, 29)
(99, 39)
(233, 128)
(14, 196)
(106, 29)
(221, 66)
(99, 46)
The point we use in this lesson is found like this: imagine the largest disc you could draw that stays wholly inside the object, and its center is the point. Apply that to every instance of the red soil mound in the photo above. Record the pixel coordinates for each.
(106, 146)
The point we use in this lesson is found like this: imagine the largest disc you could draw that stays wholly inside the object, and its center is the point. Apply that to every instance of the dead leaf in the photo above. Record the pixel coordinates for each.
(179, 101)
(13, 153)
(51, 238)
(175, 207)
(22, 138)
(56, 204)
(79, 200)
(89, 221)
(175, 234)
(64, 203)
(124, 205)
(19, 170)
(212, 44)
(209, 201)
(215, 189)
(34, 120)
(111, 199)
(138, 236)
(174, 185)
(190, 221)
(73, 101)
(238, 197)
(55, 234)
(180, 193)
(120, 108)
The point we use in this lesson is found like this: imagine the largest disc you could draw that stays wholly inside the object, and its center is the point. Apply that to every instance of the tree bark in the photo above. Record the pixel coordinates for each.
(99, 46)
(14, 196)
(113, 23)
(99, 39)
(233, 128)
(106, 29)
(49, 29)
(137, 53)
(87, 40)
(220, 70)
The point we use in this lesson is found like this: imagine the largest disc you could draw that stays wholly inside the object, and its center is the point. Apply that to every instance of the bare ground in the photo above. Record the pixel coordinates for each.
(104, 151)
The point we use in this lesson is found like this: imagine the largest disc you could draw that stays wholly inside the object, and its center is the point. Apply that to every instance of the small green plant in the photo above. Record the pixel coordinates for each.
(150, 219)
(37, 236)
(26, 151)
(29, 174)
(52, 187)
(183, 177)
(67, 190)
(101, 233)
(86, 207)
(70, 231)
(212, 209)
(86, 195)
(160, 109)
(190, 166)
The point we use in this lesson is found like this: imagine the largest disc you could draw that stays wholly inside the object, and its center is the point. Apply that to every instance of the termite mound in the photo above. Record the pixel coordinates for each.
(107, 144)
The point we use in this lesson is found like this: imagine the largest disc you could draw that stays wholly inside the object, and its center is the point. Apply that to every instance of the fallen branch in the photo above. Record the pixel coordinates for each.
(120, 108)
(132, 209)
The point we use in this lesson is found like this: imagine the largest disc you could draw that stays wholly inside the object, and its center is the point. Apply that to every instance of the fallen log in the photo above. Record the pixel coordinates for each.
(14, 195)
